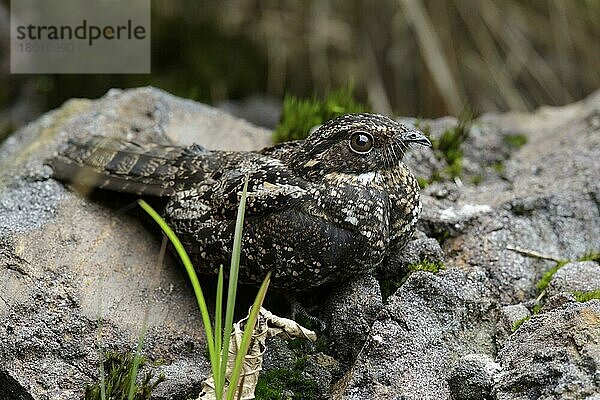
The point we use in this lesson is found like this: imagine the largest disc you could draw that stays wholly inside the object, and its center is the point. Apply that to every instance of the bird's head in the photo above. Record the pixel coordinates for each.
(356, 144)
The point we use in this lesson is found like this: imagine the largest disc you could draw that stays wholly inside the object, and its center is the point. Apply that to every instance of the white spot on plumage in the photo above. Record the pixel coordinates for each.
(352, 219)
(366, 177)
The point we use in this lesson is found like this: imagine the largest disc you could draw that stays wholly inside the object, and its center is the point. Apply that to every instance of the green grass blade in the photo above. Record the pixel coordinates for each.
(233, 281)
(213, 354)
(219, 380)
(248, 330)
(136, 361)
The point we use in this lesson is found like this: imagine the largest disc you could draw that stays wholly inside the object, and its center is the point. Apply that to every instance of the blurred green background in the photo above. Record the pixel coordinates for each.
(408, 57)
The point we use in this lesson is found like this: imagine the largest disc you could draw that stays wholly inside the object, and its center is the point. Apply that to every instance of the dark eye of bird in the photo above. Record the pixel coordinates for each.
(361, 142)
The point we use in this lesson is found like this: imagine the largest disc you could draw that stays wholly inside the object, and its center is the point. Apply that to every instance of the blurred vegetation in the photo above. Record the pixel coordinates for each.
(119, 376)
(300, 115)
(419, 58)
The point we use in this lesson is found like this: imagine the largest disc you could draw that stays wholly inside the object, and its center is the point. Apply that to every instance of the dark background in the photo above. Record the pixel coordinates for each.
(415, 58)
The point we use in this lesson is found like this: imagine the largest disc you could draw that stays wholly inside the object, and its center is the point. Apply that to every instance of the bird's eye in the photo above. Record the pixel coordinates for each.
(361, 142)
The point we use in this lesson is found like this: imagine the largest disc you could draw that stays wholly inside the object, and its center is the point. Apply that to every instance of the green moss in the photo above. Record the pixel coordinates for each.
(515, 141)
(498, 167)
(429, 266)
(477, 180)
(590, 256)
(118, 368)
(543, 283)
(547, 277)
(519, 322)
(455, 169)
(423, 182)
(587, 296)
(300, 115)
(441, 235)
(281, 383)
(296, 344)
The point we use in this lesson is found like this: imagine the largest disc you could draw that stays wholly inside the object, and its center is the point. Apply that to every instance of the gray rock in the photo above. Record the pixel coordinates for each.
(261, 111)
(472, 378)
(429, 322)
(315, 369)
(279, 354)
(557, 301)
(417, 250)
(67, 262)
(509, 317)
(350, 311)
(583, 276)
(555, 355)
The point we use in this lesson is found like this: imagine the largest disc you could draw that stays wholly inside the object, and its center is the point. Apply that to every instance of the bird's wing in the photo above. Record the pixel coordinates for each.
(130, 167)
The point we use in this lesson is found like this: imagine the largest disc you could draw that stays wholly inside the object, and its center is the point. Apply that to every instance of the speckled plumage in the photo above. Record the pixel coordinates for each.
(318, 210)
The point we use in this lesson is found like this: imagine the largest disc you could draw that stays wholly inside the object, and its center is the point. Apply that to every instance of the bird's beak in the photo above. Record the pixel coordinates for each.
(416, 137)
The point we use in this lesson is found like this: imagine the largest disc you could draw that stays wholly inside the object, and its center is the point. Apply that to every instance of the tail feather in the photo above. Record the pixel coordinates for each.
(124, 166)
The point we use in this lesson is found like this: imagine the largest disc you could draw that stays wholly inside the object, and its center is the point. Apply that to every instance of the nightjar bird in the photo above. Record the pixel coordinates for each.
(318, 210)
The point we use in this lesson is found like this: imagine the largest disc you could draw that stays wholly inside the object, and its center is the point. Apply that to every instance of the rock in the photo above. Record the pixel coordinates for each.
(583, 276)
(67, 263)
(555, 355)
(351, 311)
(417, 250)
(304, 372)
(279, 355)
(430, 321)
(557, 301)
(472, 378)
(510, 317)
(261, 111)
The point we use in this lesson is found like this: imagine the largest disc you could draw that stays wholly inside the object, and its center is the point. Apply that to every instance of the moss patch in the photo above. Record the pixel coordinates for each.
(519, 322)
(516, 141)
(429, 266)
(543, 283)
(477, 180)
(587, 296)
(547, 277)
(590, 256)
(280, 383)
(118, 369)
(300, 115)
(449, 145)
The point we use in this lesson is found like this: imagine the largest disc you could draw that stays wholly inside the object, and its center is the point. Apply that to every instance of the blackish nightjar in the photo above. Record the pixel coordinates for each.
(318, 210)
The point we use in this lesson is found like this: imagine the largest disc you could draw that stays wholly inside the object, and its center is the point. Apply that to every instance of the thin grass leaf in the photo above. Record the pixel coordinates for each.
(232, 289)
(248, 330)
(219, 380)
(136, 360)
(193, 278)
